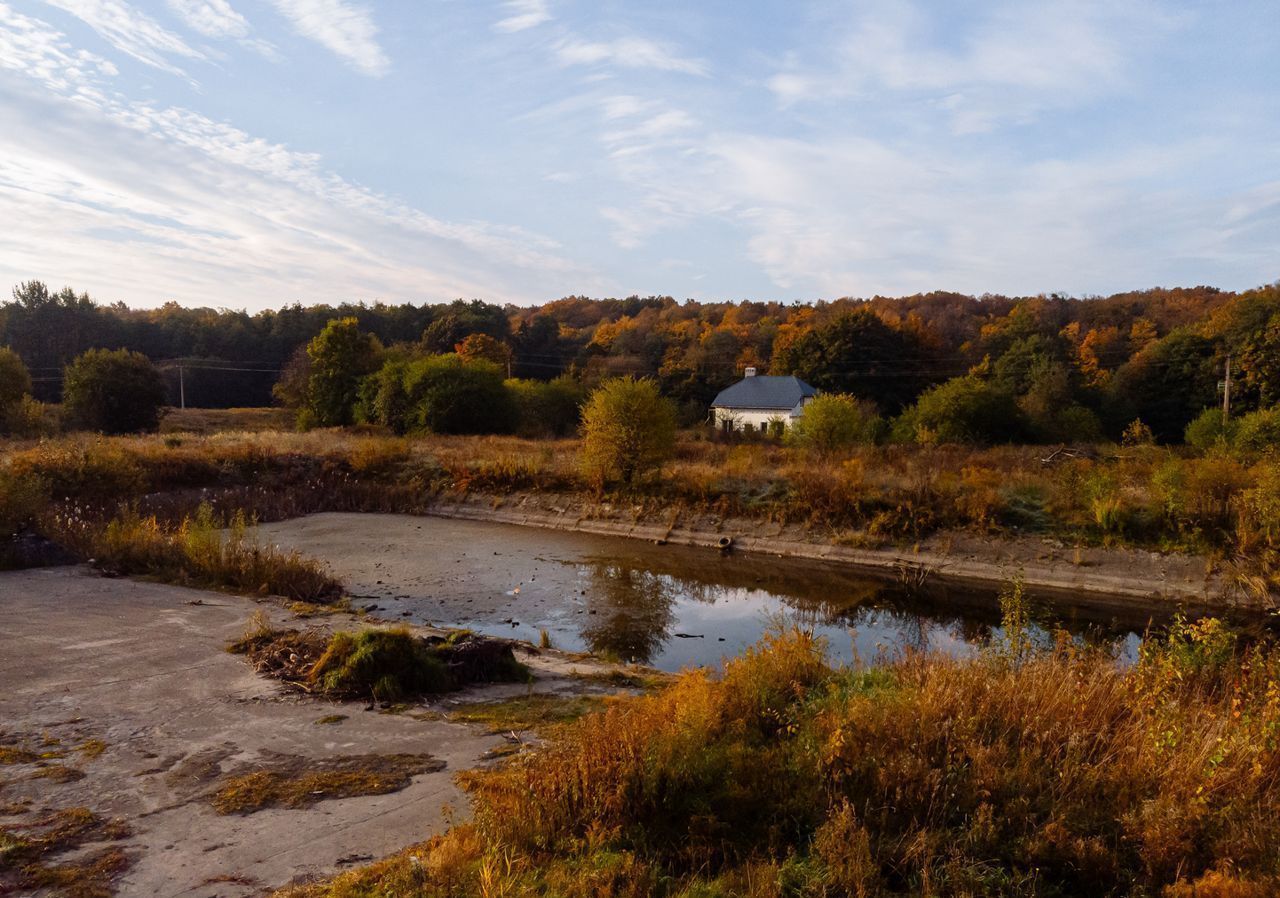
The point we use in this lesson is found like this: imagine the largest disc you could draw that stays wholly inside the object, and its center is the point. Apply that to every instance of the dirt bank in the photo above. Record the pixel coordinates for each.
(1104, 577)
(127, 687)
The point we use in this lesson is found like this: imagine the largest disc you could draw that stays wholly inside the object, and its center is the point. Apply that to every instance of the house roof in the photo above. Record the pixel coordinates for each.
(764, 391)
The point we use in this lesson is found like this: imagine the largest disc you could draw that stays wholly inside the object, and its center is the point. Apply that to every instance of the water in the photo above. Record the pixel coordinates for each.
(667, 606)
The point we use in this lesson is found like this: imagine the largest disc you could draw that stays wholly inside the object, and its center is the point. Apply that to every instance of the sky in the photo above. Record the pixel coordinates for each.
(253, 153)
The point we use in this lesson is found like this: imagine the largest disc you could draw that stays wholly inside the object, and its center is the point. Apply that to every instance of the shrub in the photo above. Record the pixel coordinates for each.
(1258, 431)
(340, 356)
(628, 430)
(113, 392)
(393, 664)
(388, 664)
(447, 394)
(1137, 434)
(547, 408)
(965, 410)
(834, 421)
(1199, 494)
(1208, 430)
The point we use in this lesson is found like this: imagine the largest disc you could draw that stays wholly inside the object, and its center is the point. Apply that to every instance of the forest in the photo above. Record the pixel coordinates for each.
(1046, 368)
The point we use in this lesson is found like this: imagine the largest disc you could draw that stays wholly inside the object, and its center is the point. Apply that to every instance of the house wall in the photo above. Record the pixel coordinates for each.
(754, 418)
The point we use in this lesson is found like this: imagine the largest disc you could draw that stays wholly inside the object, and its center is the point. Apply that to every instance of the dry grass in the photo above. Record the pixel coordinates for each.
(295, 782)
(1036, 772)
(28, 854)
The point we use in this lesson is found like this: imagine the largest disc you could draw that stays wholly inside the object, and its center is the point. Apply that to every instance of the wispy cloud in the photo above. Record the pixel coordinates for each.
(523, 15)
(627, 52)
(345, 28)
(197, 210)
(131, 31)
(212, 18)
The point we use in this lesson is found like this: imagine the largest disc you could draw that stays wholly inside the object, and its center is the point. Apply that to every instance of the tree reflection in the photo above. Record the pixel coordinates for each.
(631, 611)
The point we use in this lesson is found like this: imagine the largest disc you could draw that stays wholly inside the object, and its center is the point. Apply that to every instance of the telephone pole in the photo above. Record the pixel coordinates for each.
(182, 388)
(1226, 394)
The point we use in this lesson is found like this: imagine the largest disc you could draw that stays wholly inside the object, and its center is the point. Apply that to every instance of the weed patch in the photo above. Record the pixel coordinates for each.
(295, 782)
(542, 714)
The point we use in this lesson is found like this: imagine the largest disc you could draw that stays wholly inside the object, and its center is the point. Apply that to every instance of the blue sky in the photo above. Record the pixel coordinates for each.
(248, 153)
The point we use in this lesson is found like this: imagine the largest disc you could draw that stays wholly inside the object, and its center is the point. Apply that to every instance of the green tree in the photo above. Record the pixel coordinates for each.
(340, 356)
(1166, 385)
(858, 353)
(547, 408)
(15, 380)
(1208, 430)
(629, 430)
(834, 421)
(113, 391)
(1258, 431)
(445, 394)
(962, 410)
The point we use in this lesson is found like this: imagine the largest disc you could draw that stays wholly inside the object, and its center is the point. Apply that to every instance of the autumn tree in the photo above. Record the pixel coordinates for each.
(484, 348)
(628, 429)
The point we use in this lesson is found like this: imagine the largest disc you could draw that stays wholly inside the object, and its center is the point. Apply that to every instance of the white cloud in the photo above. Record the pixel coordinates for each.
(1014, 61)
(184, 207)
(627, 52)
(345, 28)
(130, 31)
(523, 15)
(212, 18)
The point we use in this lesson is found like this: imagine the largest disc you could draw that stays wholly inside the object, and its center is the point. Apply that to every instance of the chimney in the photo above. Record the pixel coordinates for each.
(750, 372)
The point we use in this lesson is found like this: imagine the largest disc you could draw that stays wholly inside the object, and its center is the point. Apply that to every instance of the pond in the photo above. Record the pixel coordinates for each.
(667, 606)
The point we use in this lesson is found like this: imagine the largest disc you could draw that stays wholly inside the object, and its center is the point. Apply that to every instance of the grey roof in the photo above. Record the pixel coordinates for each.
(764, 391)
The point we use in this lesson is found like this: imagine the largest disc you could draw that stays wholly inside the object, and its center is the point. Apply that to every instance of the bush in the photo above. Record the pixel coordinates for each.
(1208, 430)
(834, 421)
(393, 664)
(447, 394)
(1258, 431)
(963, 410)
(113, 392)
(547, 409)
(628, 430)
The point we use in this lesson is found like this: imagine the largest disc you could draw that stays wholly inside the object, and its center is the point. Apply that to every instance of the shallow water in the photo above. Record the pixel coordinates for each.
(668, 606)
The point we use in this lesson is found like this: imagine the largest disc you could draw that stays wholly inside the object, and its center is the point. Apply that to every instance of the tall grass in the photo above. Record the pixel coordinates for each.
(1061, 775)
(203, 550)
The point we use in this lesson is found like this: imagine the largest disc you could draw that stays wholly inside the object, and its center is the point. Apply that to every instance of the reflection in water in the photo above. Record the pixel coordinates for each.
(630, 611)
(675, 609)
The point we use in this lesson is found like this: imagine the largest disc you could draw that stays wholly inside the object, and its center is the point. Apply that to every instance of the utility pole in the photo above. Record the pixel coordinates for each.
(182, 388)
(1226, 394)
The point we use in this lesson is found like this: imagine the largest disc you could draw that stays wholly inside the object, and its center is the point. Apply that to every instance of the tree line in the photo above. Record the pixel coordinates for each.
(935, 367)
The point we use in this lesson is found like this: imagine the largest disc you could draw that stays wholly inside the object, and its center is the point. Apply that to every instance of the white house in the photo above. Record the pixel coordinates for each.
(756, 401)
